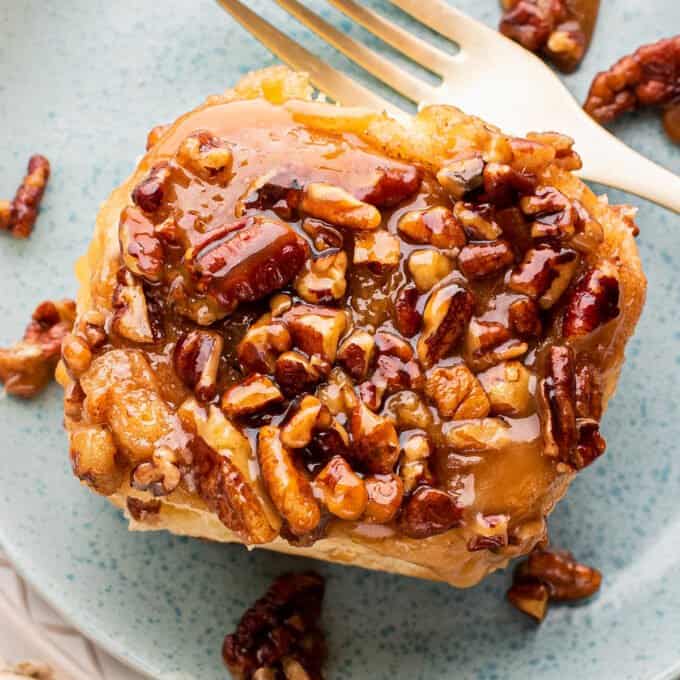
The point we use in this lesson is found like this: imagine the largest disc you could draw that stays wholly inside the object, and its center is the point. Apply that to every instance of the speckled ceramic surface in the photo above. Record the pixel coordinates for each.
(83, 81)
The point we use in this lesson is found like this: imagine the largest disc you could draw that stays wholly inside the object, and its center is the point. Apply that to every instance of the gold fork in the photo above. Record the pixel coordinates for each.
(490, 76)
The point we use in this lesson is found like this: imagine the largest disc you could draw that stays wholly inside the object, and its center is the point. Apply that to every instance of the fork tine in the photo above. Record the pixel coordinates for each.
(397, 78)
(444, 19)
(334, 83)
(415, 48)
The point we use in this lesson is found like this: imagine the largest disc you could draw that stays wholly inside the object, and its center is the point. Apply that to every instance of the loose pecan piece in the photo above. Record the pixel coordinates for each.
(436, 226)
(428, 268)
(27, 367)
(196, 359)
(141, 250)
(342, 491)
(531, 598)
(315, 329)
(462, 175)
(160, 475)
(335, 205)
(19, 215)
(322, 280)
(429, 512)
(261, 344)
(379, 251)
(392, 184)
(132, 317)
(385, 494)
(457, 393)
(296, 374)
(246, 261)
(375, 440)
(356, 353)
(593, 301)
(207, 156)
(279, 636)
(478, 260)
(446, 316)
(149, 193)
(287, 486)
(545, 273)
(407, 318)
(254, 394)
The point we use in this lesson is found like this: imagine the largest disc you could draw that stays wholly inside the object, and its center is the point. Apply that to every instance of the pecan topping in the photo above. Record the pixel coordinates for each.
(342, 491)
(19, 215)
(462, 176)
(264, 340)
(254, 394)
(414, 468)
(76, 353)
(446, 316)
(132, 318)
(648, 77)
(565, 156)
(337, 206)
(507, 386)
(295, 373)
(142, 251)
(207, 156)
(478, 260)
(483, 434)
(246, 261)
(356, 354)
(323, 235)
(385, 494)
(489, 342)
(376, 444)
(457, 393)
(94, 458)
(503, 184)
(27, 367)
(593, 302)
(436, 226)
(407, 318)
(554, 215)
(310, 415)
(478, 220)
(279, 636)
(588, 391)
(428, 268)
(429, 512)
(316, 330)
(392, 185)
(149, 193)
(523, 315)
(379, 251)
(155, 135)
(545, 273)
(322, 280)
(196, 359)
(143, 511)
(160, 475)
(491, 533)
(287, 486)
(551, 575)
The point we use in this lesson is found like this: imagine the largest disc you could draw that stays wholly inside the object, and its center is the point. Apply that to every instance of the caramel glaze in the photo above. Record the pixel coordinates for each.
(514, 480)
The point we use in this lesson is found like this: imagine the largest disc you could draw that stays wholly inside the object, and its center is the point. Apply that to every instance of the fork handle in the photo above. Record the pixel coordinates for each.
(609, 161)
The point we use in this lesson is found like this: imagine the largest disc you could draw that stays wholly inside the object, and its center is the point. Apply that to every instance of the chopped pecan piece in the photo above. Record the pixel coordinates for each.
(409, 411)
(309, 416)
(483, 434)
(246, 261)
(287, 486)
(143, 511)
(160, 475)
(379, 251)
(414, 467)
(648, 77)
(375, 440)
(590, 443)
(149, 193)
(19, 215)
(436, 226)
(545, 273)
(155, 135)
(132, 318)
(462, 176)
(279, 636)
(491, 533)
(478, 220)
(565, 156)
(554, 215)
(507, 388)
(407, 318)
(335, 205)
(588, 390)
(323, 235)
(478, 260)
(392, 184)
(429, 512)
(356, 353)
(196, 359)
(338, 393)
(322, 280)
(94, 458)
(593, 301)
(489, 342)
(446, 316)
(342, 491)
(263, 341)
(428, 268)
(316, 330)
(524, 318)
(28, 366)
(254, 394)
(530, 598)
(295, 373)
(457, 393)
(280, 303)
(503, 184)
(141, 250)
(385, 494)
(207, 156)
(278, 190)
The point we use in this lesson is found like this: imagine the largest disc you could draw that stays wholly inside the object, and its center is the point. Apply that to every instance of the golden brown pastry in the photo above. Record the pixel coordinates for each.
(330, 333)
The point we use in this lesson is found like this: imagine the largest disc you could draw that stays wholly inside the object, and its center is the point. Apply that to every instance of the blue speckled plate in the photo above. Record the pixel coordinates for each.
(83, 81)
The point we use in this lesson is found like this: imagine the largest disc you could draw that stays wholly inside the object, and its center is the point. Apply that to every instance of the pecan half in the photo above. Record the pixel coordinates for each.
(246, 261)
(196, 359)
(462, 175)
(544, 273)
(132, 317)
(19, 215)
(428, 268)
(279, 636)
(27, 367)
(141, 250)
(385, 494)
(337, 206)
(254, 394)
(342, 491)
(593, 301)
(149, 193)
(429, 512)
(407, 318)
(262, 343)
(207, 156)
(315, 329)
(296, 374)
(457, 393)
(375, 440)
(436, 226)
(378, 250)
(160, 475)
(478, 260)
(322, 280)
(287, 486)
(446, 316)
